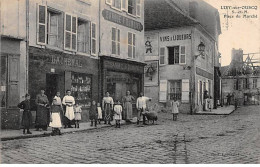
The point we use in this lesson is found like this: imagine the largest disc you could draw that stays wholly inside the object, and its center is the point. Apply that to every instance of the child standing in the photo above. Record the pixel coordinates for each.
(55, 122)
(118, 113)
(175, 110)
(27, 115)
(77, 113)
(99, 112)
(93, 113)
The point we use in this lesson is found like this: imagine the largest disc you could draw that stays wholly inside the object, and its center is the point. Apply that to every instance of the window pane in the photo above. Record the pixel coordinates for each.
(53, 30)
(41, 33)
(74, 41)
(113, 47)
(129, 51)
(113, 34)
(134, 39)
(130, 38)
(118, 35)
(93, 28)
(74, 24)
(42, 14)
(67, 40)
(93, 46)
(68, 22)
(133, 52)
(176, 57)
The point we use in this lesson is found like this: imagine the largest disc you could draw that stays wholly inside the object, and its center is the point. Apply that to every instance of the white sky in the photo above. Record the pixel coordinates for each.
(242, 33)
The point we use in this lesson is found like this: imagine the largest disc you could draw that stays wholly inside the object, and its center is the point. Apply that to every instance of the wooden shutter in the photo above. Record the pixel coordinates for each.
(93, 39)
(185, 90)
(41, 24)
(182, 55)
(163, 91)
(13, 82)
(74, 33)
(138, 8)
(70, 32)
(113, 35)
(109, 2)
(162, 55)
(118, 41)
(198, 93)
(124, 5)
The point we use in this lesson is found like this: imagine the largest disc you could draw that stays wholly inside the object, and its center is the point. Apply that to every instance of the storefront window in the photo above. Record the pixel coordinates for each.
(81, 88)
(3, 81)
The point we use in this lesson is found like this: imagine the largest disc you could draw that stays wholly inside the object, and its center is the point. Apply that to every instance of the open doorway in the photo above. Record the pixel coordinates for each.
(51, 85)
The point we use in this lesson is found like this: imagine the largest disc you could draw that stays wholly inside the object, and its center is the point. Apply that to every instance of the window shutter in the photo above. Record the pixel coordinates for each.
(138, 8)
(113, 40)
(163, 91)
(93, 39)
(162, 55)
(13, 83)
(134, 38)
(118, 40)
(67, 32)
(41, 26)
(74, 33)
(124, 4)
(185, 90)
(198, 100)
(182, 57)
(109, 2)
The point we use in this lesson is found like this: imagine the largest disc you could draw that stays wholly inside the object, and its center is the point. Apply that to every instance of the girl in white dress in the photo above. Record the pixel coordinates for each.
(99, 113)
(77, 113)
(55, 122)
(118, 113)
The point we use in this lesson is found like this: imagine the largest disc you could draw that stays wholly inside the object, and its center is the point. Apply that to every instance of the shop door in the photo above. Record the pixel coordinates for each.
(51, 85)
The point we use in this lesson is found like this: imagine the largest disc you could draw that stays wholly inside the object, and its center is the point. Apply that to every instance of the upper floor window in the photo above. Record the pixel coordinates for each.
(132, 7)
(54, 28)
(70, 33)
(131, 45)
(176, 55)
(115, 41)
(254, 83)
(83, 36)
(41, 24)
(93, 39)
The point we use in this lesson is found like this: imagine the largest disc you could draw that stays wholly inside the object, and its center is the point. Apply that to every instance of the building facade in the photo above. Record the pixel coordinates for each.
(86, 46)
(183, 74)
(13, 61)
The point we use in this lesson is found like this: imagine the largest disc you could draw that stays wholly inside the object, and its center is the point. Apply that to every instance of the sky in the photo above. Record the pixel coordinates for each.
(240, 32)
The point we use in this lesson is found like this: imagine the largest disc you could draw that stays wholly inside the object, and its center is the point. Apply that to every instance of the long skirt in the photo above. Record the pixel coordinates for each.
(69, 112)
(129, 110)
(56, 120)
(107, 112)
(41, 116)
(26, 119)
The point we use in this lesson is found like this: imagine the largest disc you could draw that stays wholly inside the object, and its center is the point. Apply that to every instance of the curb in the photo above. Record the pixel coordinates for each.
(213, 113)
(48, 134)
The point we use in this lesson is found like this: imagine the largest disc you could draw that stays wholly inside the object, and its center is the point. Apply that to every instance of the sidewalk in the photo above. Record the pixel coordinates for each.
(18, 134)
(226, 110)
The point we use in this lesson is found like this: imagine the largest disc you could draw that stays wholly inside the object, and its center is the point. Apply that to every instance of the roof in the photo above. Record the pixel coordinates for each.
(164, 14)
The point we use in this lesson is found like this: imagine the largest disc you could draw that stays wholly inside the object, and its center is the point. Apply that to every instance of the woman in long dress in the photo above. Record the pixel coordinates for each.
(27, 115)
(69, 102)
(55, 123)
(42, 111)
(107, 105)
(127, 105)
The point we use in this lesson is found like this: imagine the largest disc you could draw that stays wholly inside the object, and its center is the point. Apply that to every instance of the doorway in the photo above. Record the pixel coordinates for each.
(51, 86)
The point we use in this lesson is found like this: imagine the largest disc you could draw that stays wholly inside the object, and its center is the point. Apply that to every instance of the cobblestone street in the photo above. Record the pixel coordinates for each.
(192, 139)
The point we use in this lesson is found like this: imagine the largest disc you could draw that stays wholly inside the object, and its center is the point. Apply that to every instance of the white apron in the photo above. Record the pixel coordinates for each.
(70, 112)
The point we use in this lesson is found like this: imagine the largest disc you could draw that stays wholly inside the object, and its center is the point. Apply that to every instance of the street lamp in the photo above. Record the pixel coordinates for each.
(201, 49)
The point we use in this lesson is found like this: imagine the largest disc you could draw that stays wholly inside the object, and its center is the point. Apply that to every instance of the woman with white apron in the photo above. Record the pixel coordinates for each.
(69, 102)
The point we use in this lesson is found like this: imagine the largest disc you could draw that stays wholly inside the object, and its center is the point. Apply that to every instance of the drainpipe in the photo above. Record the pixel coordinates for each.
(27, 48)
(99, 51)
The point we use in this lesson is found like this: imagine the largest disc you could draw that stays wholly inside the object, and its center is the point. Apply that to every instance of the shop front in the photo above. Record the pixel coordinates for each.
(119, 76)
(57, 72)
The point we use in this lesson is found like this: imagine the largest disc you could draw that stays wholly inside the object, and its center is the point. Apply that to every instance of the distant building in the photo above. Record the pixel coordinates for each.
(173, 31)
(241, 80)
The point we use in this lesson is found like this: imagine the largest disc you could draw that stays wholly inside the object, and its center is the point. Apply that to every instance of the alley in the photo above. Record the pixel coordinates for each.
(192, 139)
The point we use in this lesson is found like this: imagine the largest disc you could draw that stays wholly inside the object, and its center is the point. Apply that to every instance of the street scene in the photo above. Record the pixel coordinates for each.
(192, 139)
(130, 81)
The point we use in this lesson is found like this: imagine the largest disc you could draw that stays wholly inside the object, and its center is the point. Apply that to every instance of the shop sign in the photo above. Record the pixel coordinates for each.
(121, 66)
(66, 61)
(151, 44)
(122, 20)
(151, 77)
(204, 73)
(175, 37)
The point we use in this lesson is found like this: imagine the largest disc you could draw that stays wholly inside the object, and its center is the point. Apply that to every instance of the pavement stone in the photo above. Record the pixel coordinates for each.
(192, 139)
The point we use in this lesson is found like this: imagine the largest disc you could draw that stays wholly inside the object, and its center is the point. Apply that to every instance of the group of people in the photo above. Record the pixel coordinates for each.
(55, 114)
(66, 111)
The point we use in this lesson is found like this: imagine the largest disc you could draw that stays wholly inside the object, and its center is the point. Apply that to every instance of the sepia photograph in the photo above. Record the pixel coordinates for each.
(130, 82)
